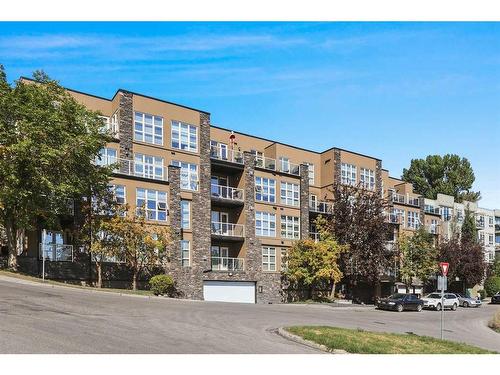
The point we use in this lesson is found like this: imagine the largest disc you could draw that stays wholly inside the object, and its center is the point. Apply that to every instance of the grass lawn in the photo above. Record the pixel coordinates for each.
(21, 276)
(364, 342)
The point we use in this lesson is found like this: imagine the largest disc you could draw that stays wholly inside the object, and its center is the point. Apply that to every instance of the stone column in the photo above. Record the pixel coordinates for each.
(337, 174)
(304, 201)
(126, 127)
(174, 209)
(253, 261)
(378, 177)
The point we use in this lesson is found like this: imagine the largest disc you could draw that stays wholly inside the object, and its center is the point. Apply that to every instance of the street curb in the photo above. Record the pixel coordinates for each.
(290, 336)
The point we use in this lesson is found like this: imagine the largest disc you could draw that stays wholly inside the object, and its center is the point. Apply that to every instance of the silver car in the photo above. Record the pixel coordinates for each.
(468, 301)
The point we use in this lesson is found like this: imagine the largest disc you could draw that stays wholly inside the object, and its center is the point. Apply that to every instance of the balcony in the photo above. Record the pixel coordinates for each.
(131, 168)
(222, 153)
(432, 210)
(480, 224)
(228, 231)
(227, 264)
(227, 194)
(283, 167)
(56, 252)
(394, 219)
(321, 207)
(398, 198)
(414, 201)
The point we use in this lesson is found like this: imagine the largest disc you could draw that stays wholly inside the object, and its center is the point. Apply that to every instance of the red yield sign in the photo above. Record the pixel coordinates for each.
(444, 268)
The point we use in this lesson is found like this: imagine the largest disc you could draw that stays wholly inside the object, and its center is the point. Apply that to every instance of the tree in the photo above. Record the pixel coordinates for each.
(312, 264)
(48, 143)
(142, 245)
(448, 174)
(468, 230)
(492, 285)
(466, 260)
(358, 222)
(417, 257)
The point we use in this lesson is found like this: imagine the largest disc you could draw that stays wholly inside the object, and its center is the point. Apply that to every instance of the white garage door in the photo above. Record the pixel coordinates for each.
(229, 291)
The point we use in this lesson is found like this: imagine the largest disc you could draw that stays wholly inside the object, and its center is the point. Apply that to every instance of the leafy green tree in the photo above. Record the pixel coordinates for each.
(142, 245)
(48, 142)
(492, 285)
(448, 174)
(417, 257)
(468, 230)
(312, 264)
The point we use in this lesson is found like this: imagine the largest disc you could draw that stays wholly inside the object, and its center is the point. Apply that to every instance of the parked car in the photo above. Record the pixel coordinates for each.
(496, 298)
(401, 301)
(465, 301)
(433, 301)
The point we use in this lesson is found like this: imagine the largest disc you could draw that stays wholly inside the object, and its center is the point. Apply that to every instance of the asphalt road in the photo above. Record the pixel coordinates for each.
(40, 318)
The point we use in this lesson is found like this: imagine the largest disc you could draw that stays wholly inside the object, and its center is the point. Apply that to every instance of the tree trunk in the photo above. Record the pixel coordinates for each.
(98, 266)
(332, 293)
(134, 281)
(12, 243)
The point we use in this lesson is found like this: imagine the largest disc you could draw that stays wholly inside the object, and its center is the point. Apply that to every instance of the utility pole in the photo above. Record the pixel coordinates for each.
(443, 283)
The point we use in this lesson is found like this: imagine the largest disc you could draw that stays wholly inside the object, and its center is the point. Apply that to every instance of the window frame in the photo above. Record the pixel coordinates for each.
(156, 210)
(188, 146)
(294, 233)
(183, 214)
(369, 174)
(348, 174)
(147, 167)
(265, 217)
(142, 123)
(284, 198)
(186, 170)
(265, 190)
(185, 261)
(266, 259)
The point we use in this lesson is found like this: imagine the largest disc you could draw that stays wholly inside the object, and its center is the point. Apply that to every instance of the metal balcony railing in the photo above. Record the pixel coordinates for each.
(228, 229)
(227, 264)
(414, 201)
(132, 168)
(223, 153)
(290, 168)
(321, 207)
(226, 192)
(267, 163)
(56, 252)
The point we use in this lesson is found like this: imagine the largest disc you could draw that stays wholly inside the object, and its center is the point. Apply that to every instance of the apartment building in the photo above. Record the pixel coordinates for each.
(235, 202)
(497, 233)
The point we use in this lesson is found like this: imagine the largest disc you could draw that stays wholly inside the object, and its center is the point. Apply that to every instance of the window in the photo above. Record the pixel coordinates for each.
(310, 172)
(491, 239)
(447, 213)
(284, 259)
(265, 189)
(491, 221)
(185, 214)
(218, 150)
(290, 227)
(110, 124)
(413, 220)
(153, 203)
(189, 175)
(284, 164)
(148, 166)
(367, 178)
(185, 250)
(148, 128)
(289, 193)
(184, 136)
(313, 201)
(107, 156)
(268, 258)
(348, 174)
(265, 224)
(398, 216)
(119, 193)
(481, 238)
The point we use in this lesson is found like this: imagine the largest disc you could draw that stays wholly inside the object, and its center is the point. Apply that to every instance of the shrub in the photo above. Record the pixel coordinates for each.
(482, 292)
(492, 285)
(495, 322)
(161, 285)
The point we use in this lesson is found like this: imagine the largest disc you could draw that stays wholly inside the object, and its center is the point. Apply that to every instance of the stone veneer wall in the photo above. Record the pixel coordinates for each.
(304, 201)
(378, 177)
(174, 211)
(126, 127)
(337, 171)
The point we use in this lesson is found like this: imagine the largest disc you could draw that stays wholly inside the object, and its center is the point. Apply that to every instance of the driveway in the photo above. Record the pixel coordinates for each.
(40, 318)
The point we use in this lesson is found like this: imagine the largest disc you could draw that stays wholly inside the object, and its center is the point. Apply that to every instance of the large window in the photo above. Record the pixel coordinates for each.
(152, 203)
(119, 193)
(289, 193)
(367, 178)
(290, 227)
(148, 128)
(148, 166)
(284, 259)
(348, 174)
(265, 224)
(185, 214)
(413, 220)
(189, 175)
(265, 189)
(107, 156)
(310, 168)
(185, 253)
(184, 136)
(268, 258)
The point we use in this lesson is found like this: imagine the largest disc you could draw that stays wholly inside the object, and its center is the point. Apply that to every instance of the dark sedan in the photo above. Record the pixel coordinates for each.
(496, 298)
(400, 301)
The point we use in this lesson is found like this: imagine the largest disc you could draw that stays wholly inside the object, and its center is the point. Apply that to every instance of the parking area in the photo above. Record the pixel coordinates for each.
(44, 319)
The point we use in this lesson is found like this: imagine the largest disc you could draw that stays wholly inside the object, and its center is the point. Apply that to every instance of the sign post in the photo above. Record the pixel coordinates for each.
(442, 284)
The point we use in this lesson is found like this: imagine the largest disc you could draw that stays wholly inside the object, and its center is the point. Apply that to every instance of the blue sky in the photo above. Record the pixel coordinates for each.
(396, 91)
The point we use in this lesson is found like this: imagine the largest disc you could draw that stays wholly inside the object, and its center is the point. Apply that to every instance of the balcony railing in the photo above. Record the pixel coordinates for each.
(228, 229)
(56, 252)
(267, 163)
(227, 264)
(321, 207)
(394, 219)
(403, 199)
(398, 198)
(226, 154)
(290, 168)
(132, 168)
(284, 167)
(432, 210)
(226, 192)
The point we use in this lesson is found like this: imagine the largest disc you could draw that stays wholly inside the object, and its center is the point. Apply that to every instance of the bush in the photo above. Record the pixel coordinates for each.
(495, 322)
(161, 285)
(482, 292)
(492, 285)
